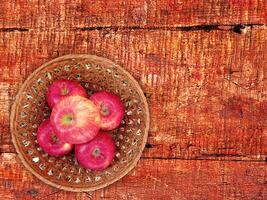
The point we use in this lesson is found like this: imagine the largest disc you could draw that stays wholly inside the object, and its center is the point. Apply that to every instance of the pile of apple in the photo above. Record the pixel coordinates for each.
(79, 121)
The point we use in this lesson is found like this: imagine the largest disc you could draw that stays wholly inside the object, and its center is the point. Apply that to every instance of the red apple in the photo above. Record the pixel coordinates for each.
(111, 109)
(63, 88)
(97, 154)
(48, 141)
(75, 119)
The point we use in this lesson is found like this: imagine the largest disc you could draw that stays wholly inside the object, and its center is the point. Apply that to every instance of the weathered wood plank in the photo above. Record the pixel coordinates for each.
(71, 14)
(151, 179)
(206, 90)
(16, 183)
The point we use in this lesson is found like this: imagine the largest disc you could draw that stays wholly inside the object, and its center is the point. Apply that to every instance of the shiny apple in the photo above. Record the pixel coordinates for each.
(63, 88)
(111, 109)
(49, 142)
(75, 119)
(97, 154)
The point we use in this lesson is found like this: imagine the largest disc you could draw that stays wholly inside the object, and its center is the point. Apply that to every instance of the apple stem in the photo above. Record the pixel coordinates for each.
(64, 91)
(67, 119)
(104, 109)
(54, 138)
(96, 152)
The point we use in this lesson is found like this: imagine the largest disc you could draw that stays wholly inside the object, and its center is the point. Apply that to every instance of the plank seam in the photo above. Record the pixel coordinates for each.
(227, 159)
(238, 28)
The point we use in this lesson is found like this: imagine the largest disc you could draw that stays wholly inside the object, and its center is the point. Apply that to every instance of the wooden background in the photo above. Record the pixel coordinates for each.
(202, 65)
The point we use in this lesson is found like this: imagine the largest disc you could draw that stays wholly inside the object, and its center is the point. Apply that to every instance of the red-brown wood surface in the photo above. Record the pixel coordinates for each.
(75, 14)
(202, 66)
(152, 179)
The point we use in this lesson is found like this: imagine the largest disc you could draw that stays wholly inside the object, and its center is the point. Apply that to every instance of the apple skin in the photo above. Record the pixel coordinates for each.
(63, 88)
(111, 109)
(75, 119)
(49, 143)
(97, 154)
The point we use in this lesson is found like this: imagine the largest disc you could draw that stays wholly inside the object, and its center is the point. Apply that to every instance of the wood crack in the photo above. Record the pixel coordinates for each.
(224, 159)
(49, 195)
(15, 29)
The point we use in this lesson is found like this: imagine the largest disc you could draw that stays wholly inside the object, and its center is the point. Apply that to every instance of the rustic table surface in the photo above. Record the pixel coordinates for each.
(202, 66)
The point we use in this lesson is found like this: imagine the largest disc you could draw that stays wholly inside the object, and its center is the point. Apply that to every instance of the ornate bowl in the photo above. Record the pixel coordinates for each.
(30, 109)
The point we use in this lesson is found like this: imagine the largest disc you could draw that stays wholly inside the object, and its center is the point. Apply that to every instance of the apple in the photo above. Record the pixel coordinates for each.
(63, 88)
(75, 119)
(97, 154)
(49, 142)
(111, 109)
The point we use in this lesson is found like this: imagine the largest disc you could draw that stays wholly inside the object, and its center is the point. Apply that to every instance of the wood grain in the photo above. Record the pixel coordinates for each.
(202, 65)
(206, 90)
(72, 14)
(171, 179)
